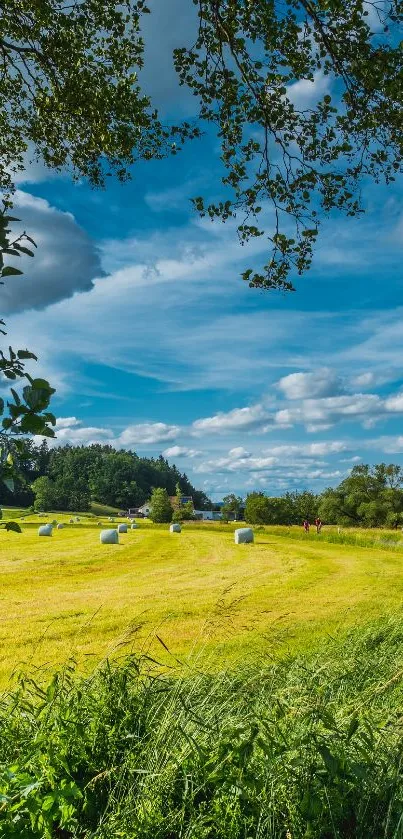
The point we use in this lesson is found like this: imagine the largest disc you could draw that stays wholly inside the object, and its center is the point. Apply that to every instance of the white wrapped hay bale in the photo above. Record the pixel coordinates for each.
(243, 535)
(45, 530)
(60, 526)
(175, 528)
(109, 537)
(122, 528)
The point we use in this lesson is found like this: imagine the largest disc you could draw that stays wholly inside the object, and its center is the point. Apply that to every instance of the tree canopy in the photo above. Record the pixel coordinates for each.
(369, 497)
(71, 92)
(161, 507)
(70, 477)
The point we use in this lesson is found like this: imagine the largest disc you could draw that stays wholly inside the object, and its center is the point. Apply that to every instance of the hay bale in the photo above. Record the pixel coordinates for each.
(99, 524)
(243, 535)
(175, 528)
(122, 528)
(109, 537)
(134, 526)
(45, 530)
(71, 521)
(77, 518)
(60, 526)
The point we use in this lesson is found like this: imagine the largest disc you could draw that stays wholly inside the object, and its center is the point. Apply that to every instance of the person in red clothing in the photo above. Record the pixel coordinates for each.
(318, 525)
(306, 526)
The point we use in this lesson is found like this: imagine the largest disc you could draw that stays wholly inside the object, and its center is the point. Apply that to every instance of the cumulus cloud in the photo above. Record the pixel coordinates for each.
(71, 430)
(319, 383)
(394, 404)
(65, 261)
(180, 451)
(306, 93)
(147, 433)
(323, 413)
(237, 419)
(236, 464)
(67, 422)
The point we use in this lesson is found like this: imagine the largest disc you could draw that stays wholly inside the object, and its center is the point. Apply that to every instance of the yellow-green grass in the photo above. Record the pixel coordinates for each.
(104, 509)
(204, 596)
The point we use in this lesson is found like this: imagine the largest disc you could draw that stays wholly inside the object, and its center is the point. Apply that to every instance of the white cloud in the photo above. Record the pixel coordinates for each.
(238, 418)
(239, 451)
(364, 380)
(308, 449)
(147, 433)
(387, 445)
(306, 93)
(67, 422)
(322, 413)
(180, 451)
(394, 404)
(82, 435)
(322, 382)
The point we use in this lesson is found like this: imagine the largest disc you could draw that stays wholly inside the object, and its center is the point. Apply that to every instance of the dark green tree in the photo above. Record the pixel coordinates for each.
(45, 494)
(257, 508)
(161, 507)
(369, 497)
(232, 504)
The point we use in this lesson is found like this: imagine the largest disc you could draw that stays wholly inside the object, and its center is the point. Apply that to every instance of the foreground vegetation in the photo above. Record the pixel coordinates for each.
(310, 746)
(198, 591)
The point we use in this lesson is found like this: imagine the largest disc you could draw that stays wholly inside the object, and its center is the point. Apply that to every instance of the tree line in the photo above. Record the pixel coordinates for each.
(371, 496)
(71, 477)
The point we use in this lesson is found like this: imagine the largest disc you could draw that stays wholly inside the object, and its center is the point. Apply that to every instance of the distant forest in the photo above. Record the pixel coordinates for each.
(71, 477)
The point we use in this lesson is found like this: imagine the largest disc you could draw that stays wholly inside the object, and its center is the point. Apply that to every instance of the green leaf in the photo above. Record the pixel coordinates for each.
(354, 724)
(331, 763)
(9, 271)
(25, 354)
(25, 250)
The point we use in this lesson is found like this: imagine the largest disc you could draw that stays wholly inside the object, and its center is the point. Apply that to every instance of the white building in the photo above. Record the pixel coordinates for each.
(145, 509)
(208, 515)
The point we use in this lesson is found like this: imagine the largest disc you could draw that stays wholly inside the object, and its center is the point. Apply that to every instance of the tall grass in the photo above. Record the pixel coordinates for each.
(362, 539)
(307, 748)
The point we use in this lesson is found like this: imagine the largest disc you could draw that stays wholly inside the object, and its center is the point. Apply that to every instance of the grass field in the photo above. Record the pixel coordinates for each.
(202, 595)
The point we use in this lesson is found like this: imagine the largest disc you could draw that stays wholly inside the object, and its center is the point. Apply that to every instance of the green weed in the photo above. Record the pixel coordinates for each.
(307, 748)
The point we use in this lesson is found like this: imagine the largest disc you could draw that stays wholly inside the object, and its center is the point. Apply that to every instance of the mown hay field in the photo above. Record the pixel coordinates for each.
(196, 592)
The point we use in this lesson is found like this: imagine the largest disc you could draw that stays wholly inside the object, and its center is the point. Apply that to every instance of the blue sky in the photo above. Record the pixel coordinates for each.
(137, 311)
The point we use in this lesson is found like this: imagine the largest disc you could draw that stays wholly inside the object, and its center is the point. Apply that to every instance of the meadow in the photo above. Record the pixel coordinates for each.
(194, 596)
(181, 686)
